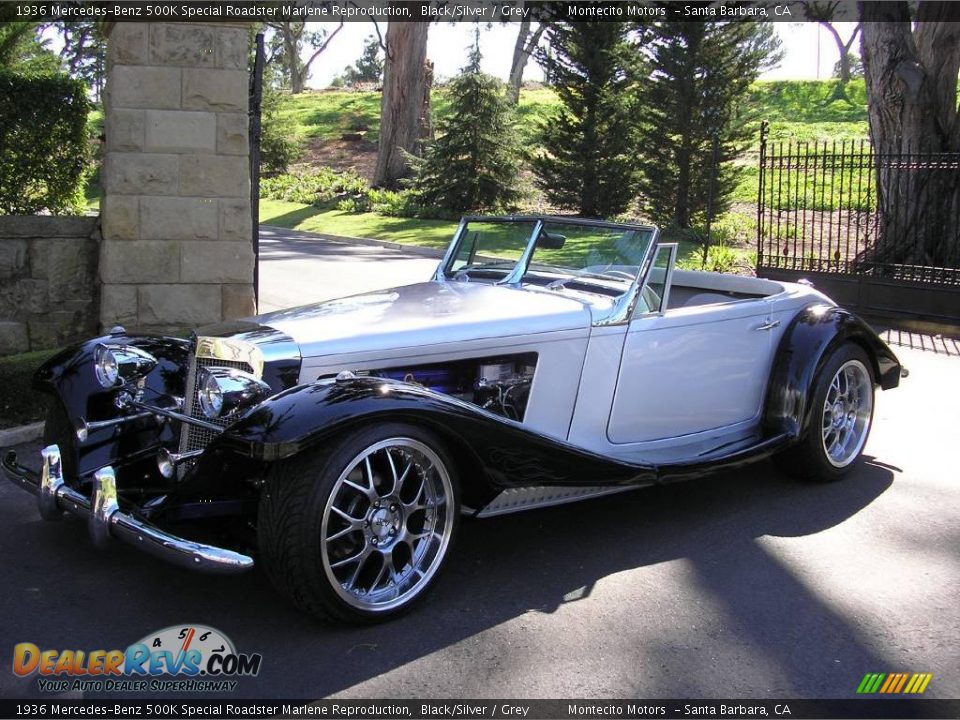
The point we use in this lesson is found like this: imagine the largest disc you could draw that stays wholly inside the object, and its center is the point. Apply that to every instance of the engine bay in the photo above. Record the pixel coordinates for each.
(498, 384)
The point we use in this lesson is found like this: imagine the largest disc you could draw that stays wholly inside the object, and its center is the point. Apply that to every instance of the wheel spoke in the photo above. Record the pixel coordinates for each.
(354, 526)
(349, 518)
(369, 469)
(365, 491)
(359, 557)
(393, 473)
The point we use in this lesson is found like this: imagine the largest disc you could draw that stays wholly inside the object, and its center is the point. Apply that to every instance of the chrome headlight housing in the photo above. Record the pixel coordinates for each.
(223, 391)
(115, 364)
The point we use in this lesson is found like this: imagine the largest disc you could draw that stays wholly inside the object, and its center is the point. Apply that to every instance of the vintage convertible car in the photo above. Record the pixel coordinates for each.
(547, 360)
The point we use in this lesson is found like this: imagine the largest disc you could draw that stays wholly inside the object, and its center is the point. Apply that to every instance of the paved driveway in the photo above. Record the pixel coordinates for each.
(297, 268)
(744, 584)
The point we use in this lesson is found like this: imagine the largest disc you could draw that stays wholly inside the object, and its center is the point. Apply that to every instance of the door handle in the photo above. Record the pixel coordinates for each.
(769, 325)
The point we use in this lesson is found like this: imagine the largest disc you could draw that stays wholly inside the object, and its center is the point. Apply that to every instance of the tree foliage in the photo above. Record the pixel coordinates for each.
(474, 162)
(278, 145)
(287, 43)
(589, 164)
(369, 66)
(22, 48)
(43, 143)
(701, 73)
(84, 52)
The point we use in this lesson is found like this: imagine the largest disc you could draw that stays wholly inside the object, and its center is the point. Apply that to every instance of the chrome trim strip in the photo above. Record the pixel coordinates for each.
(519, 499)
(105, 519)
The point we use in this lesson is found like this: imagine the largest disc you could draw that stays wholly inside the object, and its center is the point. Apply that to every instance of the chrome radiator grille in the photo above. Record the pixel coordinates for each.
(191, 436)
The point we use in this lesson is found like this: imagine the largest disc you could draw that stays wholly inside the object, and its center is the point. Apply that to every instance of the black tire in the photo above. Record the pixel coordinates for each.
(808, 459)
(57, 430)
(299, 494)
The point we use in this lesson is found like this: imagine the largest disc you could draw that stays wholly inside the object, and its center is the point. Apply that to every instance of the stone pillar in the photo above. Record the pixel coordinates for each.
(175, 214)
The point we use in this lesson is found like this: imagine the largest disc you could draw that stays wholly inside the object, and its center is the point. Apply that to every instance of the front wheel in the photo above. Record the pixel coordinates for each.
(839, 419)
(357, 530)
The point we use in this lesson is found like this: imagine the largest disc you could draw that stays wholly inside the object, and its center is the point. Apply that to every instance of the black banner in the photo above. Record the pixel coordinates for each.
(493, 709)
(415, 10)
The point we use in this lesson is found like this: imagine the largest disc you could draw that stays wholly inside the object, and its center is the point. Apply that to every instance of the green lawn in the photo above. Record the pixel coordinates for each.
(328, 114)
(438, 233)
(296, 216)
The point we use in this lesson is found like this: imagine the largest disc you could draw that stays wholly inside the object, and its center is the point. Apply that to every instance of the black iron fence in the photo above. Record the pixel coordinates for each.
(844, 212)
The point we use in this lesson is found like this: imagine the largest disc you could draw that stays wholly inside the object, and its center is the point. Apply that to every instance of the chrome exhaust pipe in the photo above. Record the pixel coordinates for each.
(167, 461)
(82, 428)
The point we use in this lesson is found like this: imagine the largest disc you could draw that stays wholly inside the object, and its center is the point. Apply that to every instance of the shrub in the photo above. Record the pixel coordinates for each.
(278, 145)
(323, 188)
(43, 144)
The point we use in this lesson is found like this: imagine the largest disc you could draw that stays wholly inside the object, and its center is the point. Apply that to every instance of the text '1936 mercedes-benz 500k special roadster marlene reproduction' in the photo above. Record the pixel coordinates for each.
(547, 360)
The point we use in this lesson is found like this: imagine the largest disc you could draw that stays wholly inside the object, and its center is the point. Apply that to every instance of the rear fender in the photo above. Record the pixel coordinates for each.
(808, 341)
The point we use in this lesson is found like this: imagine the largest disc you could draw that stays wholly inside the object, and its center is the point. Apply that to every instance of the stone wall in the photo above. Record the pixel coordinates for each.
(177, 249)
(49, 293)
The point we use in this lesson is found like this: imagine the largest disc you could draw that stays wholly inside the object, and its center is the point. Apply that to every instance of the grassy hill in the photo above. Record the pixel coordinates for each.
(798, 111)
(802, 110)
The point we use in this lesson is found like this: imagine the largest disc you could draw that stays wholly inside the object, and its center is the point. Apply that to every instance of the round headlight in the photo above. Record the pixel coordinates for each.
(106, 366)
(210, 395)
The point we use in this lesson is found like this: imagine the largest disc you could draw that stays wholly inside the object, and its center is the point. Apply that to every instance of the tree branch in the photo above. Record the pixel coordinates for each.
(331, 36)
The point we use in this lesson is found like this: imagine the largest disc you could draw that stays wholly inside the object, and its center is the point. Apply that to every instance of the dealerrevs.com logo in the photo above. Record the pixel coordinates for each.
(200, 659)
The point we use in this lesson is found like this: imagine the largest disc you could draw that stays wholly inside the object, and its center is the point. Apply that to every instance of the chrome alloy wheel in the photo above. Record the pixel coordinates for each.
(847, 410)
(387, 524)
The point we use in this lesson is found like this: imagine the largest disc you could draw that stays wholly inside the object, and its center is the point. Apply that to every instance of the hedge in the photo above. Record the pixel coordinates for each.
(43, 143)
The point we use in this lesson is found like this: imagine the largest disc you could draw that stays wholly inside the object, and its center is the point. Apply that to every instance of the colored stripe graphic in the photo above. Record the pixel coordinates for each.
(894, 683)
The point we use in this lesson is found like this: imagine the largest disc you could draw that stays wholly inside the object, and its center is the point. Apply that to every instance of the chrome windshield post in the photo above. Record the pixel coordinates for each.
(622, 310)
(519, 270)
(441, 272)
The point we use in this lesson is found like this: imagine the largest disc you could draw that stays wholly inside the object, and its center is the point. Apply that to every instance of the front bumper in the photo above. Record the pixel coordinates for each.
(105, 520)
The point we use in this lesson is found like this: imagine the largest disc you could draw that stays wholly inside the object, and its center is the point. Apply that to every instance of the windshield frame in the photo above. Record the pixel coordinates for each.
(622, 307)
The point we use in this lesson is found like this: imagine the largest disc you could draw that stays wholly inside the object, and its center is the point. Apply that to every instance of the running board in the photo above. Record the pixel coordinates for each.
(519, 499)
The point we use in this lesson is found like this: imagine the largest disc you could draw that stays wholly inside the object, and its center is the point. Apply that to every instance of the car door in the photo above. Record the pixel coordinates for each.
(689, 370)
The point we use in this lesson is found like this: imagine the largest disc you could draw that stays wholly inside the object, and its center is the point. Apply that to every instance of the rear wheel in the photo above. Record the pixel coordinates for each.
(839, 419)
(358, 530)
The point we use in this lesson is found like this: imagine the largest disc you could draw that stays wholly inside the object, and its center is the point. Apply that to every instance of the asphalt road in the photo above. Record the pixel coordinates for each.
(744, 584)
(297, 268)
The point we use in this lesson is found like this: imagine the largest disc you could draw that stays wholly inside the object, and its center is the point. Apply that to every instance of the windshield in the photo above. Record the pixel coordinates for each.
(604, 253)
(591, 251)
(494, 245)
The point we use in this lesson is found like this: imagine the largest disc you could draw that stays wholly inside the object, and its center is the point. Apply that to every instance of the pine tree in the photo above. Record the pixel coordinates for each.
(692, 114)
(474, 162)
(589, 163)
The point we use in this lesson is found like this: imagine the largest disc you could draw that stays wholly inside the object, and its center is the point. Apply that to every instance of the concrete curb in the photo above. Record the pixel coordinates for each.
(415, 249)
(18, 435)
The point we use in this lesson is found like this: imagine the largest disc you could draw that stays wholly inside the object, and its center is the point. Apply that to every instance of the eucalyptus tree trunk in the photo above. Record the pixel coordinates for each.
(405, 103)
(526, 43)
(911, 77)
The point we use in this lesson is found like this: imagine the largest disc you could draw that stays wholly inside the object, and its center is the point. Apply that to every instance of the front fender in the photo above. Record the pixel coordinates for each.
(508, 453)
(807, 342)
(69, 376)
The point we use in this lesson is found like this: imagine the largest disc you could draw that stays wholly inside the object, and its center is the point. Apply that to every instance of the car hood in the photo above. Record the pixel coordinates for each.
(429, 313)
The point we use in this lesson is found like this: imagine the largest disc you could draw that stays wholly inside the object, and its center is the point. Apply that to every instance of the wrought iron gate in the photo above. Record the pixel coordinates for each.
(820, 216)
